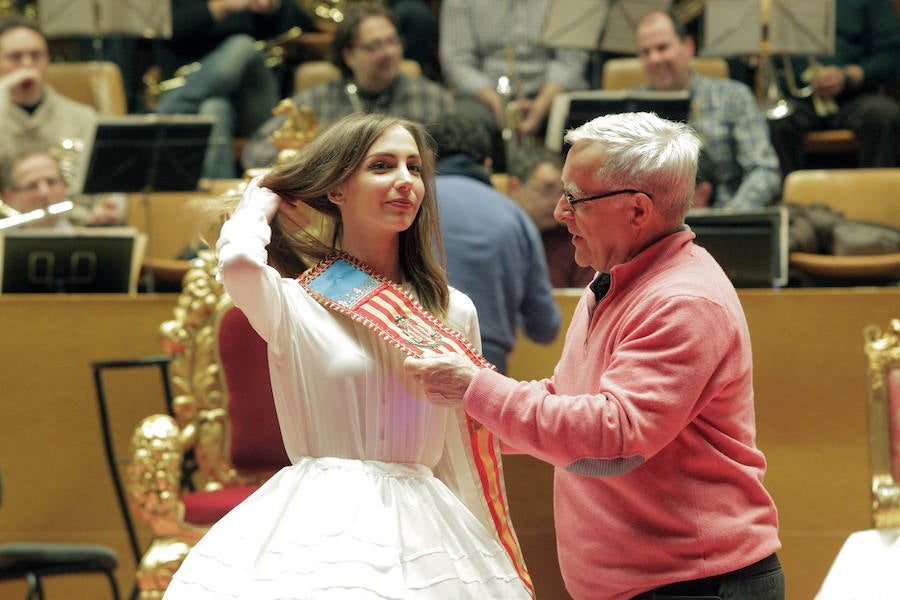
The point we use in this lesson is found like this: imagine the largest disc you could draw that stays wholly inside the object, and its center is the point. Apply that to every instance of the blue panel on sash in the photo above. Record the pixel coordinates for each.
(343, 283)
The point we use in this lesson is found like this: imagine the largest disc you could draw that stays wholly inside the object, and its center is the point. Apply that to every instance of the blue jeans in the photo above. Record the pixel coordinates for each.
(233, 85)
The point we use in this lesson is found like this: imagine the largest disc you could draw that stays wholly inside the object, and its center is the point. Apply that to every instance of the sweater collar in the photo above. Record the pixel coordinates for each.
(651, 259)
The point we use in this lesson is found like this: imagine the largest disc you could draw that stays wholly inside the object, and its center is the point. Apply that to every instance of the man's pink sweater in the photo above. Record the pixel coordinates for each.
(649, 421)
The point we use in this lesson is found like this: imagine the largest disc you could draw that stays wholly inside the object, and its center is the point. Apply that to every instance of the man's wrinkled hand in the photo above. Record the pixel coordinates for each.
(445, 377)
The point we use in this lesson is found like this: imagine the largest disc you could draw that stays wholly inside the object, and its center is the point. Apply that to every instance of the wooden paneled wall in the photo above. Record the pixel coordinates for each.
(811, 412)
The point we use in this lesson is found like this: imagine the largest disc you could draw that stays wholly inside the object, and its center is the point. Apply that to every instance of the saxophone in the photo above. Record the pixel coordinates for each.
(510, 89)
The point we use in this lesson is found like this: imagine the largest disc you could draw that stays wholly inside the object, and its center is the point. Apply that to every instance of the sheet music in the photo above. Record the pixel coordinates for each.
(574, 23)
(732, 27)
(138, 18)
(622, 21)
(802, 27)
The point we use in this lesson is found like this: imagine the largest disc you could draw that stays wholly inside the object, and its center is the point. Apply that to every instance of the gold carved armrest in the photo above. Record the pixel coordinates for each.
(154, 478)
(883, 352)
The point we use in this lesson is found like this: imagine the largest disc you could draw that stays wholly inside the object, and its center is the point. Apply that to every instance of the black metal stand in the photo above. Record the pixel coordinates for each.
(162, 363)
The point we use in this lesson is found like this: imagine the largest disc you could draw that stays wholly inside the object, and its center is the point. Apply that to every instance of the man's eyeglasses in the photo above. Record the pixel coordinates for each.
(35, 186)
(378, 45)
(554, 190)
(572, 200)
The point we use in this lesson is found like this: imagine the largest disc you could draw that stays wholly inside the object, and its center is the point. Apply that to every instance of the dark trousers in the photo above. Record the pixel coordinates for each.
(763, 580)
(874, 118)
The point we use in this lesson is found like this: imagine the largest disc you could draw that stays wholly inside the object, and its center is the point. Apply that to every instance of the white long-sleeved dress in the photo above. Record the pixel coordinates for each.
(360, 512)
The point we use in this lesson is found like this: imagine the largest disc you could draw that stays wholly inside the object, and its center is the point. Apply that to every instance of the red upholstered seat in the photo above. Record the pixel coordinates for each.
(894, 408)
(205, 508)
(255, 435)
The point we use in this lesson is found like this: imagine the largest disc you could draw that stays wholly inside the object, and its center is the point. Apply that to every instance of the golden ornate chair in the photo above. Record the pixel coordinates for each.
(866, 566)
(883, 354)
(223, 442)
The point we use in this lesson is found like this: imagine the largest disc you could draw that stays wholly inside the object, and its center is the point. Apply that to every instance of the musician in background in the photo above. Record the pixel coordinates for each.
(867, 45)
(480, 42)
(511, 290)
(32, 114)
(367, 49)
(535, 184)
(723, 111)
(34, 180)
(232, 83)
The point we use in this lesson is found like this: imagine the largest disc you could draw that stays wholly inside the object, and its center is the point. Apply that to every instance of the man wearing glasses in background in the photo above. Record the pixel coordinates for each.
(534, 184)
(33, 180)
(648, 417)
(367, 50)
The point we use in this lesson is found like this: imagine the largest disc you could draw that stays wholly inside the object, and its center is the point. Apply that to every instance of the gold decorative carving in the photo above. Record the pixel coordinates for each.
(200, 428)
(883, 353)
(158, 565)
(299, 128)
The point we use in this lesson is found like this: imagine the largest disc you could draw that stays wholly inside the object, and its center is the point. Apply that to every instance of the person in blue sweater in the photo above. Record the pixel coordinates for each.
(494, 250)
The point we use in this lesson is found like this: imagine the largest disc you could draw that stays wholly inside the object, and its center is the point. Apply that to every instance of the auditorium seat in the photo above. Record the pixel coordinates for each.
(868, 195)
(623, 73)
(95, 83)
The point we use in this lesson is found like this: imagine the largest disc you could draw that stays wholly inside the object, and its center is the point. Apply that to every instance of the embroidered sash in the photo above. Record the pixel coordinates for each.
(345, 285)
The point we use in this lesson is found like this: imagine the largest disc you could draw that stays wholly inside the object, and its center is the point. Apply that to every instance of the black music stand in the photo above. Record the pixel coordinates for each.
(113, 461)
(148, 153)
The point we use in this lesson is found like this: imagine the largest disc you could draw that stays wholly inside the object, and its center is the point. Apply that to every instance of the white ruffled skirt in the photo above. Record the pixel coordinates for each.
(348, 529)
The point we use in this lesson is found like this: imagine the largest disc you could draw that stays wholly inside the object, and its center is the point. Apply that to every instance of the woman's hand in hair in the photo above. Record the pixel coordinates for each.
(260, 198)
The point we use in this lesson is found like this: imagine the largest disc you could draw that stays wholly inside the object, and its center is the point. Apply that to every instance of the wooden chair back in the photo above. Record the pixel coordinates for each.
(95, 83)
(868, 195)
(626, 72)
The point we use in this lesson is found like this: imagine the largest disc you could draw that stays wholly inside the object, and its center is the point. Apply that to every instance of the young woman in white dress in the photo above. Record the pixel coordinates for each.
(382, 499)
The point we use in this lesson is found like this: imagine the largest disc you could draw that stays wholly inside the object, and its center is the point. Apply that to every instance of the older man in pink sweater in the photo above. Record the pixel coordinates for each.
(649, 415)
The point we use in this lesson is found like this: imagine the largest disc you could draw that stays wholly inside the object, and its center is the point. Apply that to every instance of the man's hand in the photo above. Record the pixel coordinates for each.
(446, 377)
(829, 81)
(107, 213)
(16, 83)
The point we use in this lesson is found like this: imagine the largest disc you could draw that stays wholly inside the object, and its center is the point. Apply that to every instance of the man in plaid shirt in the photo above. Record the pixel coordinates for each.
(367, 49)
(735, 133)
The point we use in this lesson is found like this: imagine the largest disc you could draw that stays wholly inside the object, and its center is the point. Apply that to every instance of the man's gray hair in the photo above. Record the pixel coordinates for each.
(645, 152)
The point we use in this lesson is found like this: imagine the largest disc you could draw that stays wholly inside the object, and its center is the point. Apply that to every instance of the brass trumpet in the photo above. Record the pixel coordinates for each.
(328, 13)
(773, 101)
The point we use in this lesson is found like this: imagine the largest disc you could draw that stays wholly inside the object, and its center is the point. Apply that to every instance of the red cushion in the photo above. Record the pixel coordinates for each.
(894, 412)
(255, 437)
(205, 508)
